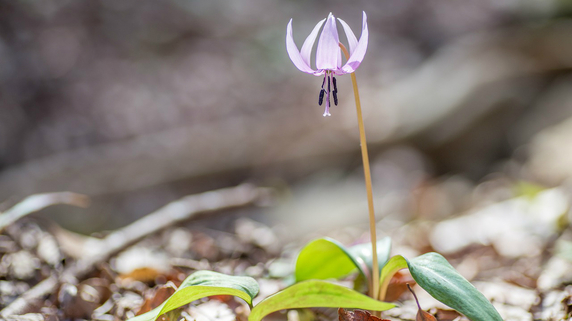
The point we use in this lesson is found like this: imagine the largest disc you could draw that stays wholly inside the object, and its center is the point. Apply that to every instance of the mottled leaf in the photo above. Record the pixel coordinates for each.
(433, 273)
(202, 284)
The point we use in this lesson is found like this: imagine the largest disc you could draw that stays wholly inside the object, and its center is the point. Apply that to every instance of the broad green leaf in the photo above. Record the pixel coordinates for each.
(202, 284)
(326, 258)
(394, 264)
(322, 259)
(316, 293)
(363, 251)
(434, 274)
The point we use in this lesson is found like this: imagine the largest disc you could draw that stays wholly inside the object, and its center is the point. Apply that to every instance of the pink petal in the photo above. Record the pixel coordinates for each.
(309, 43)
(328, 53)
(293, 52)
(359, 53)
(352, 40)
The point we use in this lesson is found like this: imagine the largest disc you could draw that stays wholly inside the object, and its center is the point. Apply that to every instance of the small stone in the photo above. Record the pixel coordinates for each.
(48, 250)
(22, 265)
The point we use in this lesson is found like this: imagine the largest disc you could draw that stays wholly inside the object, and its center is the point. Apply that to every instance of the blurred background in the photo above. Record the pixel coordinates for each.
(137, 103)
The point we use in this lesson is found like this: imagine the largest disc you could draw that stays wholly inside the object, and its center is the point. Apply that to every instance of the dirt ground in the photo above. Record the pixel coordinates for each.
(513, 249)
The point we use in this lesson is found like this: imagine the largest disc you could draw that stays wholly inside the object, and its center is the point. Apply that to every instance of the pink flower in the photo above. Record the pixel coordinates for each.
(328, 54)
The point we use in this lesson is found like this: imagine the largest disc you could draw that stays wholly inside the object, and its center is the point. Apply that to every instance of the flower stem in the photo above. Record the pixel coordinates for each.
(373, 289)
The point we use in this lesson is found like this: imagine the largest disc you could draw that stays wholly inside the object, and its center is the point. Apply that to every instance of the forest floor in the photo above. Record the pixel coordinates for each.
(513, 249)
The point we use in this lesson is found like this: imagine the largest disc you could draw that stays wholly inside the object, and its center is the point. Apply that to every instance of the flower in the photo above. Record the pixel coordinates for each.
(328, 54)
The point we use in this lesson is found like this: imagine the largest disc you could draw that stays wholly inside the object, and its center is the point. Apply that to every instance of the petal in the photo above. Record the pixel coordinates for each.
(309, 42)
(328, 52)
(357, 56)
(293, 52)
(352, 40)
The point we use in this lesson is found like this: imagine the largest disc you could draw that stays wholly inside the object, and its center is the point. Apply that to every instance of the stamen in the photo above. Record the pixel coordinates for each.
(335, 92)
(322, 92)
(335, 85)
(335, 97)
(328, 95)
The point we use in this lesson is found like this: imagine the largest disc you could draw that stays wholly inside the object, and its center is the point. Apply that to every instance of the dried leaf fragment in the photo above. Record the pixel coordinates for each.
(398, 285)
(357, 315)
(160, 294)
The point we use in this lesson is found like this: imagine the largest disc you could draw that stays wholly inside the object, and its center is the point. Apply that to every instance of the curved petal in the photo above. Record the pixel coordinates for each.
(293, 52)
(357, 56)
(306, 50)
(352, 40)
(328, 53)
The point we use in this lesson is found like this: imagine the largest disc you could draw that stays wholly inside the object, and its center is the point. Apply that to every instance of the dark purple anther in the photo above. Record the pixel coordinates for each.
(335, 92)
(328, 95)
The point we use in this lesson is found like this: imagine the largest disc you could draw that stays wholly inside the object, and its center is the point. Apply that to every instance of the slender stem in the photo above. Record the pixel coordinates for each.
(367, 173)
(415, 296)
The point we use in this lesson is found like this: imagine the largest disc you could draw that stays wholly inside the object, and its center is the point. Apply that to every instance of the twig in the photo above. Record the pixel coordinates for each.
(37, 202)
(30, 297)
(26, 317)
(101, 250)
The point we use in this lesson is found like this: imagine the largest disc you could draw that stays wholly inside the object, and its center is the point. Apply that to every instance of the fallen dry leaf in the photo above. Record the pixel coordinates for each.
(448, 315)
(398, 285)
(159, 295)
(80, 301)
(357, 315)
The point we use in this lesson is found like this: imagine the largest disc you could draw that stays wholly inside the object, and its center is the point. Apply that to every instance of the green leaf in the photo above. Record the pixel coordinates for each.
(363, 251)
(394, 264)
(202, 284)
(322, 259)
(434, 274)
(326, 258)
(316, 293)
